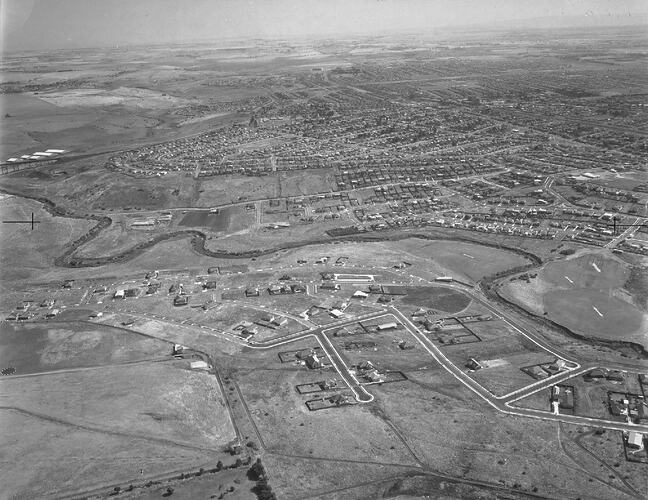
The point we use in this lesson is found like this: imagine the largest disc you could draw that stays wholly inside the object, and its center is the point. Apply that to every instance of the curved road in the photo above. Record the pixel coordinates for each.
(503, 404)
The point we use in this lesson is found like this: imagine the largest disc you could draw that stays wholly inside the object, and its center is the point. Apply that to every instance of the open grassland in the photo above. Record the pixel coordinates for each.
(26, 253)
(45, 458)
(160, 400)
(304, 477)
(186, 335)
(594, 313)
(80, 187)
(297, 184)
(637, 285)
(287, 426)
(207, 485)
(293, 304)
(221, 190)
(604, 451)
(463, 260)
(220, 315)
(35, 347)
(451, 432)
(96, 105)
(171, 254)
(115, 239)
(270, 239)
(386, 354)
(590, 270)
(236, 238)
(36, 114)
(540, 400)
(438, 298)
(502, 358)
(121, 96)
(521, 293)
(584, 293)
(228, 220)
(98, 118)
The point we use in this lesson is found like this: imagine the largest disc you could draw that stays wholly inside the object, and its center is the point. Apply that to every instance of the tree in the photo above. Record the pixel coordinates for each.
(257, 471)
(263, 490)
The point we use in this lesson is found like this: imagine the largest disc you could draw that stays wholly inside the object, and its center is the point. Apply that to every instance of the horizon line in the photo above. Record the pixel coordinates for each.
(502, 27)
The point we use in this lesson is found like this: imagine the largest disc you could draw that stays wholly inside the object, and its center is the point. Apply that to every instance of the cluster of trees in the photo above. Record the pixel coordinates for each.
(262, 489)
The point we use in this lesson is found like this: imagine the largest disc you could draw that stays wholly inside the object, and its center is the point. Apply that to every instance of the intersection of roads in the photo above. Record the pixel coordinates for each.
(504, 404)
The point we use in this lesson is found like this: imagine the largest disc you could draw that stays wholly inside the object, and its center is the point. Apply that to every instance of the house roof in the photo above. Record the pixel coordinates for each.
(635, 438)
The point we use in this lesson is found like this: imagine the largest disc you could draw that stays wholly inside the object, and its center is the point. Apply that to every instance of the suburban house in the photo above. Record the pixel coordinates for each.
(635, 439)
(181, 300)
(473, 364)
(312, 361)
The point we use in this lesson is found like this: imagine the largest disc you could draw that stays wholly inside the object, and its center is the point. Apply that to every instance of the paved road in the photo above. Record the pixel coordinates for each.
(504, 405)
(501, 403)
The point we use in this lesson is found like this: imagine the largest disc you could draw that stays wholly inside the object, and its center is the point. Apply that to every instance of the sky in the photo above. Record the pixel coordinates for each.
(53, 24)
